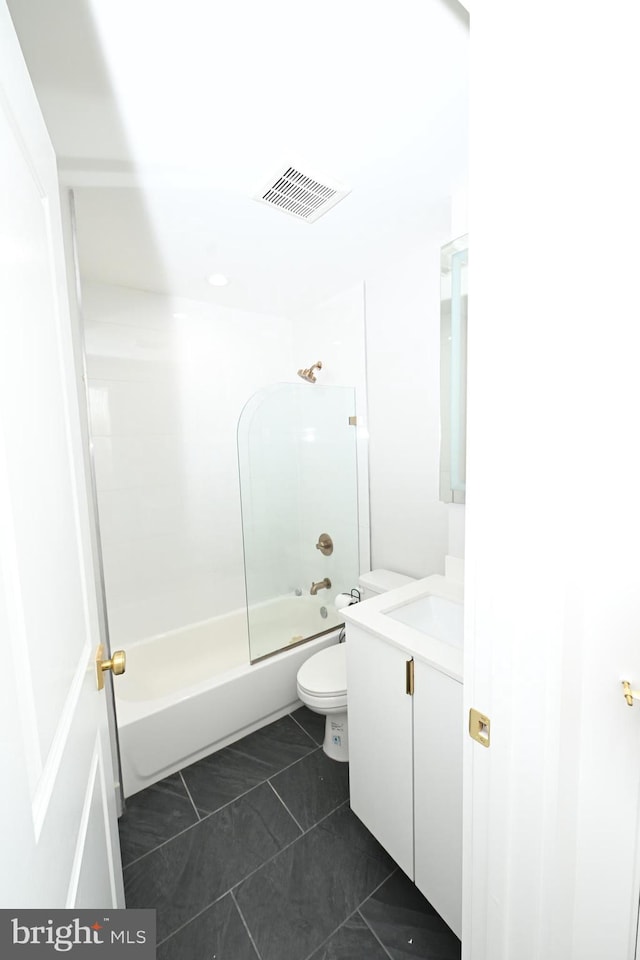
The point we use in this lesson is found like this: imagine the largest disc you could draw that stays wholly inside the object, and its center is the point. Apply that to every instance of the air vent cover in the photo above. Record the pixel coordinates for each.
(301, 195)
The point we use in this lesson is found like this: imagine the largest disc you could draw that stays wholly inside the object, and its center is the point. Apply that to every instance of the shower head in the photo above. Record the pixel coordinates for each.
(309, 375)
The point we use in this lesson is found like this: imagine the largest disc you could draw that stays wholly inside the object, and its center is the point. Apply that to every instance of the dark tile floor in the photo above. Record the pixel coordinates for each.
(254, 854)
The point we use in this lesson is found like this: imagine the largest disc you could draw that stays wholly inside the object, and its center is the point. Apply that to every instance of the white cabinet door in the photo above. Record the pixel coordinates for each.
(438, 730)
(381, 743)
(58, 829)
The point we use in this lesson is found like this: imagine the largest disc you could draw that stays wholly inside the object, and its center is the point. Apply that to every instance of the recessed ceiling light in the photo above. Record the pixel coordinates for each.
(179, 316)
(218, 280)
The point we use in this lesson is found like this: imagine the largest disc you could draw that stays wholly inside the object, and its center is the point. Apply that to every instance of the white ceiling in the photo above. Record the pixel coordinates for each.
(167, 118)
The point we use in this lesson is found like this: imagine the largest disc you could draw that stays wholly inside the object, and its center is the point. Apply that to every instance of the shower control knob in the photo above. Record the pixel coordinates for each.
(325, 544)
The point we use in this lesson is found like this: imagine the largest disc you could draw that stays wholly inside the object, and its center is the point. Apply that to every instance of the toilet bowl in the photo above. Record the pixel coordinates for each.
(322, 686)
(322, 679)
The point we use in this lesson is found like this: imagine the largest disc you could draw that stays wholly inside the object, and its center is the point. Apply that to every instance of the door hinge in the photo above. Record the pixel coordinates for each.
(479, 727)
(409, 678)
(353, 421)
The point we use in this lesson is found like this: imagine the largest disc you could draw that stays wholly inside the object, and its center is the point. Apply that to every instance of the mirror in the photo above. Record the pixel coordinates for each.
(454, 259)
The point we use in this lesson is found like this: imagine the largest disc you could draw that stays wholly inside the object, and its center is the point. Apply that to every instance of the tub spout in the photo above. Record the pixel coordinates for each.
(320, 585)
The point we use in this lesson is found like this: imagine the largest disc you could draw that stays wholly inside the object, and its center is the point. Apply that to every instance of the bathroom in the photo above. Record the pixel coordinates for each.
(542, 524)
(192, 327)
(192, 334)
(175, 365)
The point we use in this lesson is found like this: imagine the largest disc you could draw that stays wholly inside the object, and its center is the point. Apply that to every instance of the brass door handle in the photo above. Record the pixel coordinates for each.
(117, 664)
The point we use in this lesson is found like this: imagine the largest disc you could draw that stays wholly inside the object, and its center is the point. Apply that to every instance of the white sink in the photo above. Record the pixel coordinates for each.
(435, 616)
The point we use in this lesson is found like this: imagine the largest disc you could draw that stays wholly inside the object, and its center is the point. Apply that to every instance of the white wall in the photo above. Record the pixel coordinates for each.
(409, 524)
(165, 396)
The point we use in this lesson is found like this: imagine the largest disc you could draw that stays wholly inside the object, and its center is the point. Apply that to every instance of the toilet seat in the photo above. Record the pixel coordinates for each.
(324, 675)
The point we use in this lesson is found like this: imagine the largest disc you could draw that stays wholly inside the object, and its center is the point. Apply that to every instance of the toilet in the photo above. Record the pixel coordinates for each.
(322, 679)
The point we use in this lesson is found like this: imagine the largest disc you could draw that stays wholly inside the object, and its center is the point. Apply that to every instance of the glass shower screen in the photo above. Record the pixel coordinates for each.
(298, 482)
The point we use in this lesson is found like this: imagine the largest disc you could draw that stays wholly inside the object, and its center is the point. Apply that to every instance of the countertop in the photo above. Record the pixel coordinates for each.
(370, 615)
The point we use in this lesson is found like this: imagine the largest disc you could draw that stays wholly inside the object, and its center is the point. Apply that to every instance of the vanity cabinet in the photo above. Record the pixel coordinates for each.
(405, 764)
(381, 743)
(437, 783)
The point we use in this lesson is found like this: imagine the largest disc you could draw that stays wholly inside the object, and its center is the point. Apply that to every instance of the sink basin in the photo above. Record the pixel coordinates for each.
(435, 616)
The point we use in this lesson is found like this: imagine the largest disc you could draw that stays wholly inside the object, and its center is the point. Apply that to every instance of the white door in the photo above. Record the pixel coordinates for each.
(552, 574)
(58, 828)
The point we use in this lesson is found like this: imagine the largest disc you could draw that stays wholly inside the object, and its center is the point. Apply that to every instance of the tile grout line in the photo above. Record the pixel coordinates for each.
(135, 860)
(332, 934)
(147, 853)
(303, 729)
(372, 931)
(364, 919)
(352, 914)
(286, 847)
(299, 825)
(210, 813)
(190, 797)
(246, 925)
(191, 919)
(227, 893)
(293, 762)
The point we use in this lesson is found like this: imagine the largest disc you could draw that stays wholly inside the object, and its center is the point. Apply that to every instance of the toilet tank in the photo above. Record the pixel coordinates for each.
(379, 581)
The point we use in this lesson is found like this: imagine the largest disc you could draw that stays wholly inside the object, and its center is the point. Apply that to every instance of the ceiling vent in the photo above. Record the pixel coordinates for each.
(300, 195)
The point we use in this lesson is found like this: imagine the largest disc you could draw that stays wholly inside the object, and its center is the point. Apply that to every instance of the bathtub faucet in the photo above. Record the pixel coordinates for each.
(320, 585)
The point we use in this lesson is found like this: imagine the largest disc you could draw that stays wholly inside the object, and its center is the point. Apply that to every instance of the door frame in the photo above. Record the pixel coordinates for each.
(74, 287)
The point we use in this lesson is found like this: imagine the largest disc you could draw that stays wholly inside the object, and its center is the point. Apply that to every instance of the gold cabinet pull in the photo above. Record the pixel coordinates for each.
(117, 664)
(409, 678)
(629, 694)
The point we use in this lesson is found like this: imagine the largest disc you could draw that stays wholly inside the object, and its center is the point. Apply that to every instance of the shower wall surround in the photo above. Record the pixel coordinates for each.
(167, 379)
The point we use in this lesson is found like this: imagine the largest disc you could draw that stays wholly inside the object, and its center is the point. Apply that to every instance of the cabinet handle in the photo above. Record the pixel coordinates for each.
(629, 694)
(409, 677)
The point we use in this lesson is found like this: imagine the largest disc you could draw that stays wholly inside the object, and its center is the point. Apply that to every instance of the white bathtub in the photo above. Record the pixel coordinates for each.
(193, 691)
(287, 619)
